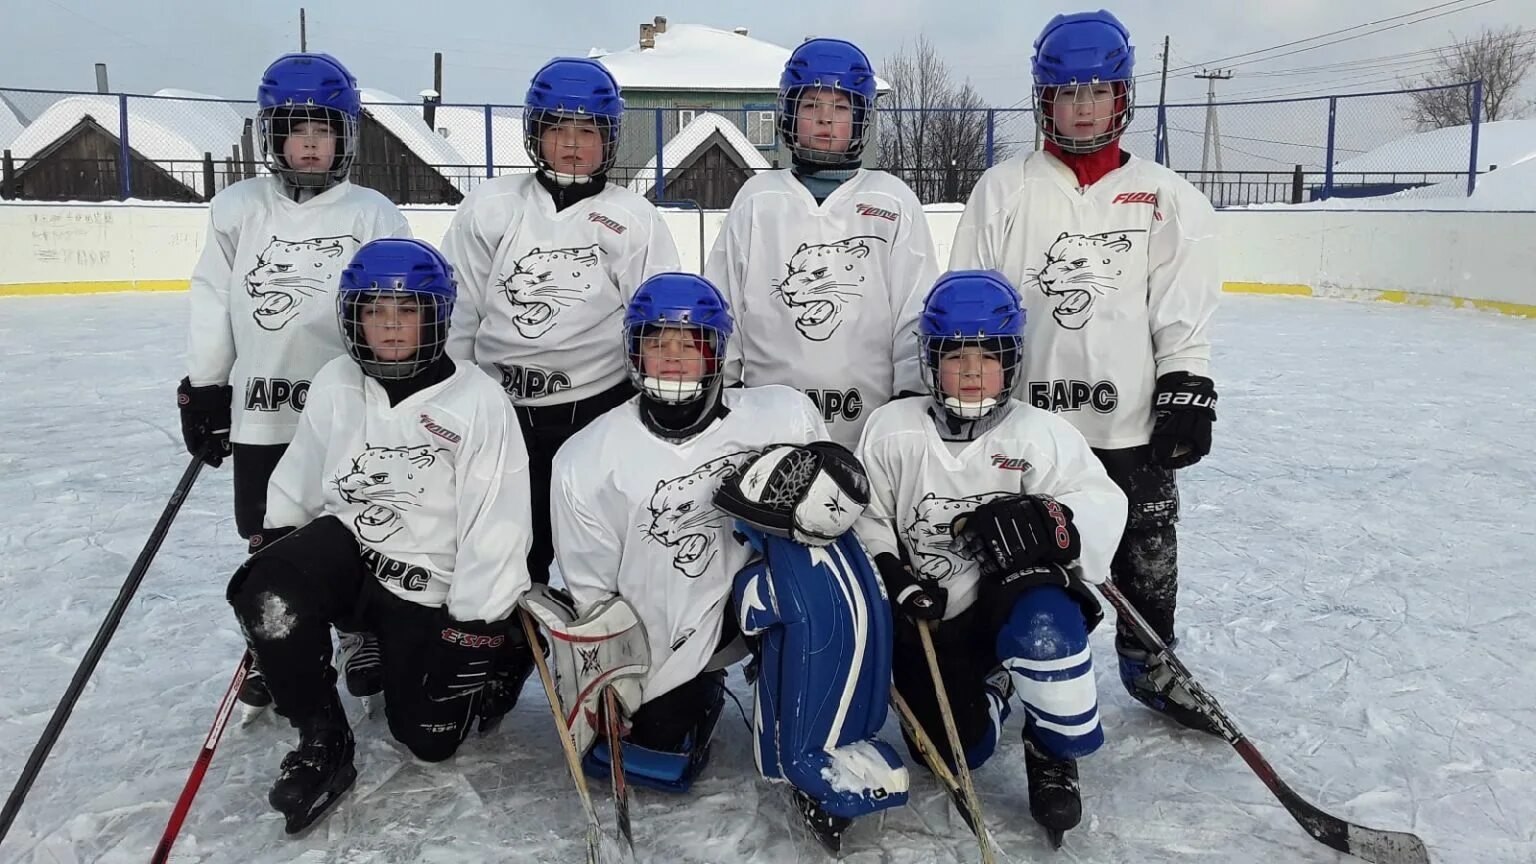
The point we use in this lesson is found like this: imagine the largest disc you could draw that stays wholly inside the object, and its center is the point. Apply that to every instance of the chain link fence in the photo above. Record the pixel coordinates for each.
(181, 146)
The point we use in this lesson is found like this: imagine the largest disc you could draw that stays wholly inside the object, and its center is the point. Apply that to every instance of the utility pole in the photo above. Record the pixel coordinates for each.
(1212, 126)
(303, 31)
(1162, 156)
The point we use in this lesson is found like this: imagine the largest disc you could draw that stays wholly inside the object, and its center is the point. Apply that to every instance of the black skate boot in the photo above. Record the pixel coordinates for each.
(362, 667)
(1054, 798)
(827, 828)
(1150, 682)
(314, 776)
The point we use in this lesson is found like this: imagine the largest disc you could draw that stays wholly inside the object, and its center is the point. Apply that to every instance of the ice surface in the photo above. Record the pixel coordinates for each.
(1358, 558)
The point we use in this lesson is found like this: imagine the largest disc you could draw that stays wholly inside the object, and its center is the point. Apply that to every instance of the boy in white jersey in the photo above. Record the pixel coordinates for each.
(987, 517)
(825, 263)
(401, 504)
(546, 262)
(1115, 259)
(263, 320)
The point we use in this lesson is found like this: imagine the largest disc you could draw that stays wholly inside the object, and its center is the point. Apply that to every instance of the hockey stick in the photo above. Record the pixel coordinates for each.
(616, 770)
(200, 767)
(1370, 844)
(567, 743)
(963, 770)
(98, 645)
(930, 754)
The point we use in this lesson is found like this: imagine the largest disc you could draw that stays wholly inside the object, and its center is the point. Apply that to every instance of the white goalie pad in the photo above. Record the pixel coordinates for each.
(604, 649)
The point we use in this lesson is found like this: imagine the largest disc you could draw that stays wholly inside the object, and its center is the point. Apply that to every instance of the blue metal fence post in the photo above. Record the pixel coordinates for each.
(489, 161)
(1477, 120)
(1333, 116)
(124, 168)
(991, 136)
(661, 179)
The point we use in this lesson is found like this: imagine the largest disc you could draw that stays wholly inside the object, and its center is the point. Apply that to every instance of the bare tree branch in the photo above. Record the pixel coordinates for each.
(1501, 59)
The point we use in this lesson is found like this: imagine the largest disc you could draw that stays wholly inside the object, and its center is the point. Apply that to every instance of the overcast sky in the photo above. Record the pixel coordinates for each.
(492, 46)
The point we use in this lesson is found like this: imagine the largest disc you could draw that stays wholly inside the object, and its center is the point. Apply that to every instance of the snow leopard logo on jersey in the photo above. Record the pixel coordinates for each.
(683, 514)
(543, 282)
(822, 281)
(389, 480)
(1081, 268)
(288, 272)
(929, 537)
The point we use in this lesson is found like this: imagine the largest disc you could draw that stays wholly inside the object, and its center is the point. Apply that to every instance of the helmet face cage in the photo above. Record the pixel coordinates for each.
(675, 389)
(1047, 95)
(277, 124)
(787, 110)
(384, 307)
(537, 121)
(1005, 351)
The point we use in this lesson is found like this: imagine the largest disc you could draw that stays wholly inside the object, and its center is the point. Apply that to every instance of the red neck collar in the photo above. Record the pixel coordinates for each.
(1089, 167)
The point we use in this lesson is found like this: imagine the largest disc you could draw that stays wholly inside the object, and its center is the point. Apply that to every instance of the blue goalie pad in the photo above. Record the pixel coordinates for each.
(824, 626)
(651, 769)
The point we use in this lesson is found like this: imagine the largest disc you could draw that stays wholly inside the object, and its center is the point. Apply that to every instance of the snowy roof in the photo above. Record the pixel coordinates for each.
(403, 120)
(1501, 142)
(10, 125)
(158, 128)
(690, 139)
(466, 134)
(695, 57)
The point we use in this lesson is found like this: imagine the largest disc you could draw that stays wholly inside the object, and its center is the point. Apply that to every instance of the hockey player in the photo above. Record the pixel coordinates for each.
(1115, 258)
(406, 494)
(546, 262)
(263, 318)
(826, 263)
(634, 518)
(989, 517)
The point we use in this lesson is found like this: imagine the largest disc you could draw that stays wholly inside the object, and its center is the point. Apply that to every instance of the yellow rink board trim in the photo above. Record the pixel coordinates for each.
(1522, 310)
(24, 289)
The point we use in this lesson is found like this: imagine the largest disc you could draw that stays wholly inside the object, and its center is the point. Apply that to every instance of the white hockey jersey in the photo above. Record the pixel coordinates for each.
(434, 488)
(919, 483)
(1119, 282)
(542, 294)
(826, 296)
(263, 296)
(633, 515)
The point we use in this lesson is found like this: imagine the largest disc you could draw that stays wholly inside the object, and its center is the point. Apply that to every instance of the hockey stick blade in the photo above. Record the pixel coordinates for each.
(1367, 844)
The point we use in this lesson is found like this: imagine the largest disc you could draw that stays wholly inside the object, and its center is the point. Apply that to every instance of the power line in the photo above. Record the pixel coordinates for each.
(1417, 20)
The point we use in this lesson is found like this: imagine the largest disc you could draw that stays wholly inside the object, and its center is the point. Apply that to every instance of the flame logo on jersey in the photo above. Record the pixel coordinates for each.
(1081, 268)
(929, 537)
(544, 282)
(389, 480)
(684, 517)
(822, 280)
(288, 272)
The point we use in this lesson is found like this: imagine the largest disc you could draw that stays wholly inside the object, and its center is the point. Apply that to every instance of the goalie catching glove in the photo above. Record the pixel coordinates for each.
(810, 494)
(604, 649)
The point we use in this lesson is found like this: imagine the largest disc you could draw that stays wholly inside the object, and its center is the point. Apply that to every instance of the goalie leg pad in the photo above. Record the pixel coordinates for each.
(826, 672)
(1044, 647)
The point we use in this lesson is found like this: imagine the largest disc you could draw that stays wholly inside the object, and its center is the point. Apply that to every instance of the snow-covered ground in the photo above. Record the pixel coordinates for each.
(1357, 566)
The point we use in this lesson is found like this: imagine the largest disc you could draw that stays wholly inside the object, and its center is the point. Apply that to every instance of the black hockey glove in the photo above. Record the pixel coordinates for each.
(1008, 535)
(918, 599)
(205, 418)
(464, 655)
(1185, 407)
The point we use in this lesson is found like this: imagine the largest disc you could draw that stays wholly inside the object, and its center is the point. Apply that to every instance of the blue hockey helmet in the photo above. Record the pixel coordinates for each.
(1076, 52)
(572, 89)
(971, 318)
(827, 65)
(678, 301)
(308, 88)
(389, 284)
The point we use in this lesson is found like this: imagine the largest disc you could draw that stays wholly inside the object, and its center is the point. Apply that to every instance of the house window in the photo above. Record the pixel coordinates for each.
(685, 116)
(760, 128)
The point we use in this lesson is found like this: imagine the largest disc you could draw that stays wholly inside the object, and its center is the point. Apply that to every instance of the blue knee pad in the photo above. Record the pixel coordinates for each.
(1044, 647)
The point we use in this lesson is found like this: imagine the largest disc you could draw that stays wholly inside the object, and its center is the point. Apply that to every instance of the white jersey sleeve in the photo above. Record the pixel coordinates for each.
(211, 336)
(470, 247)
(1183, 282)
(588, 550)
(914, 262)
(725, 269)
(494, 515)
(876, 526)
(296, 489)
